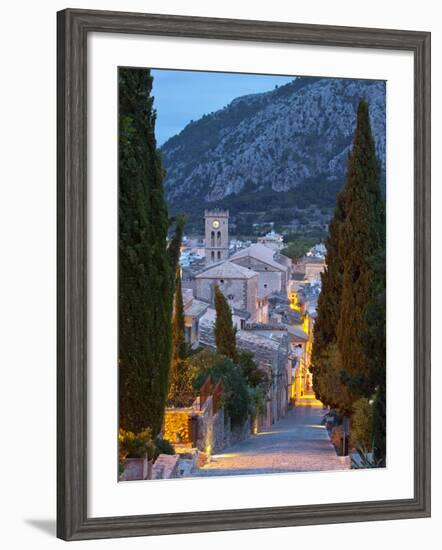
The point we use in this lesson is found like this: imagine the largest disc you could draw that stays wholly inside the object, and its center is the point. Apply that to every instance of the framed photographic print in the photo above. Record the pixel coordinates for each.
(243, 274)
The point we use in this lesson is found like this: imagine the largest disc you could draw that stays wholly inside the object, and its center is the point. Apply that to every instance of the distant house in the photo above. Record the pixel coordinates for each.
(274, 274)
(310, 267)
(193, 312)
(313, 268)
(272, 240)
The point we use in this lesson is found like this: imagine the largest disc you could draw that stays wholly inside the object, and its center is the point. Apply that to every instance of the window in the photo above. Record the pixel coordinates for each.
(265, 285)
(230, 296)
(221, 281)
(219, 255)
(212, 238)
(212, 255)
(243, 324)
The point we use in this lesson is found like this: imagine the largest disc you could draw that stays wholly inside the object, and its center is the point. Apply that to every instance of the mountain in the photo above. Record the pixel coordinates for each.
(272, 156)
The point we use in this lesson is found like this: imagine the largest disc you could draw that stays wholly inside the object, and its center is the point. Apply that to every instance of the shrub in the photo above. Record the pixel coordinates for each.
(235, 389)
(362, 425)
(139, 445)
(257, 400)
(254, 375)
(163, 447)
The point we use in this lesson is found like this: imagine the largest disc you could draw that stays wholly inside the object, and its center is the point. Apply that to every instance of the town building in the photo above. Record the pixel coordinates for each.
(238, 284)
(274, 275)
(272, 240)
(310, 267)
(193, 311)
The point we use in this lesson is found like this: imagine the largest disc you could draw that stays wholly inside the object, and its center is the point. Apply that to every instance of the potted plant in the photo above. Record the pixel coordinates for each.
(136, 452)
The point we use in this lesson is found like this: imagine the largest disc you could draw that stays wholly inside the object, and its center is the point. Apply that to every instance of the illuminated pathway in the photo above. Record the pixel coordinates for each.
(296, 443)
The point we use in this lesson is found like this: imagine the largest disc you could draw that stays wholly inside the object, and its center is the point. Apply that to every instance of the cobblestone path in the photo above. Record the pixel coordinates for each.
(296, 443)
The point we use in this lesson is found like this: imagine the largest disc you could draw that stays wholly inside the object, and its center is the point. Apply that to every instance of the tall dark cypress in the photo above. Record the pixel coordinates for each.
(225, 337)
(325, 376)
(146, 263)
(375, 346)
(343, 365)
(362, 237)
(179, 347)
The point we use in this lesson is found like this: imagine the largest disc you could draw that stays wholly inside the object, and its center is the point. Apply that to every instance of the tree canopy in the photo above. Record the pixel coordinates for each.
(147, 261)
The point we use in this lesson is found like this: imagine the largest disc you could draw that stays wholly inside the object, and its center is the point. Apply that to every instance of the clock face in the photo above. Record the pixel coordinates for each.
(215, 224)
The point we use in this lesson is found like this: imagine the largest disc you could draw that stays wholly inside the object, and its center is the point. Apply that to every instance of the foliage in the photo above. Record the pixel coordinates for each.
(366, 460)
(147, 264)
(258, 381)
(325, 357)
(163, 447)
(225, 337)
(254, 375)
(180, 389)
(257, 400)
(236, 395)
(136, 445)
(375, 345)
(362, 425)
(299, 247)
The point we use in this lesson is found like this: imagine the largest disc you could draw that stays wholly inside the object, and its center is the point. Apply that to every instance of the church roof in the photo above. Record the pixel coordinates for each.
(226, 270)
(260, 252)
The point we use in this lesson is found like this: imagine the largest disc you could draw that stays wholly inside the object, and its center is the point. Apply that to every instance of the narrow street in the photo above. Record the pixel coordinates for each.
(296, 443)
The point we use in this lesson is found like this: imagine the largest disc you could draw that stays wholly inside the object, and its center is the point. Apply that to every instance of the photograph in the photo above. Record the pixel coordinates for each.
(251, 274)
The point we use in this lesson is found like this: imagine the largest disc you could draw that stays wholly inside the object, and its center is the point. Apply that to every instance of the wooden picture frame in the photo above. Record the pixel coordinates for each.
(73, 28)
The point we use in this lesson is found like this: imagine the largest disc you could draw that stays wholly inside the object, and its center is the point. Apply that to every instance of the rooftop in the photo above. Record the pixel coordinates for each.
(226, 270)
(260, 252)
(196, 308)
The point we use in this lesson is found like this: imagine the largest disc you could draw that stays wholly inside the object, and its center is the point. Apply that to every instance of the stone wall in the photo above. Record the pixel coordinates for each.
(166, 467)
(240, 293)
(178, 425)
(210, 429)
(269, 279)
(234, 434)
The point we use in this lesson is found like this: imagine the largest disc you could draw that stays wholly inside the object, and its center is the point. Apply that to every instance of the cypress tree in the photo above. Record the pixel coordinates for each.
(147, 264)
(225, 337)
(178, 326)
(179, 347)
(324, 353)
(342, 364)
(375, 346)
(362, 235)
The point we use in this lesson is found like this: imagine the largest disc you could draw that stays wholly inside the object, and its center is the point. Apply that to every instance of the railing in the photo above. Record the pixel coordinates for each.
(216, 396)
(205, 392)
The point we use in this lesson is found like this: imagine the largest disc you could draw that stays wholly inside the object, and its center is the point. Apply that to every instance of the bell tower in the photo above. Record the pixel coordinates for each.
(216, 235)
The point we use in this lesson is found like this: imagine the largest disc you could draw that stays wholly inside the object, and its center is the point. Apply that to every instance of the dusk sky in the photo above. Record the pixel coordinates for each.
(182, 96)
